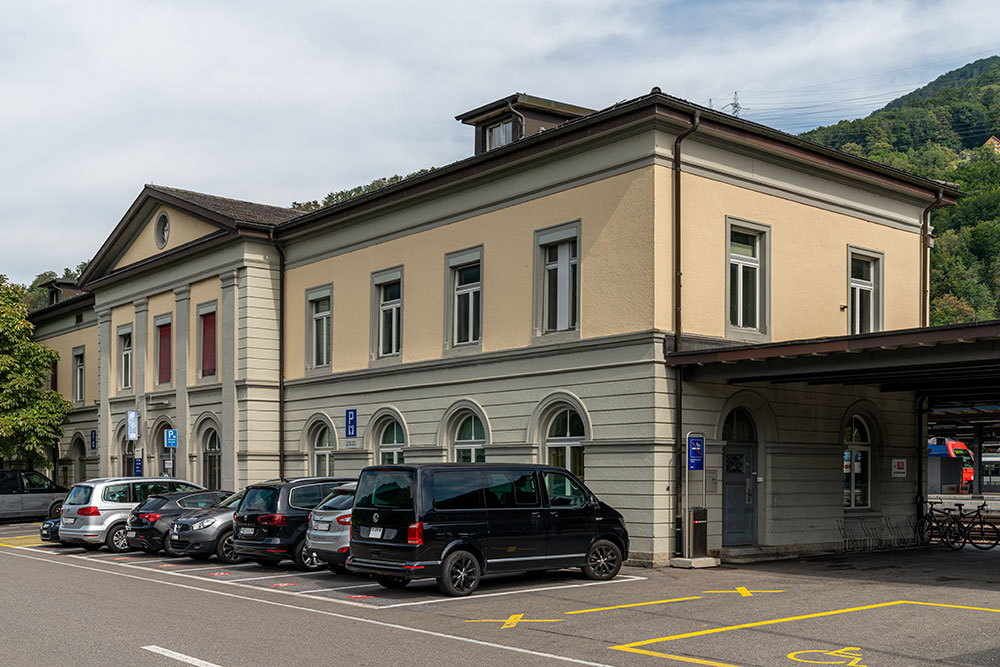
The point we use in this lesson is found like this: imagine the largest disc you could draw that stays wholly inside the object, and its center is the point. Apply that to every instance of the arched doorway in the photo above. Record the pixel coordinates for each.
(739, 479)
(79, 455)
(128, 458)
(212, 463)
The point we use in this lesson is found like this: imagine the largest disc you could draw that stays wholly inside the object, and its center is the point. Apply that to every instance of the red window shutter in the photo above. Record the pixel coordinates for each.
(208, 344)
(164, 365)
(54, 379)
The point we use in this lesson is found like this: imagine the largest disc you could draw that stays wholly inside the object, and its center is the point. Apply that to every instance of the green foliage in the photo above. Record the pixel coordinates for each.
(345, 195)
(938, 132)
(31, 417)
(36, 296)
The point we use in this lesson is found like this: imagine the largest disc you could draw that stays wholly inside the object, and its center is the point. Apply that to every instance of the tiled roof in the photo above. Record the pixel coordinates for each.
(235, 209)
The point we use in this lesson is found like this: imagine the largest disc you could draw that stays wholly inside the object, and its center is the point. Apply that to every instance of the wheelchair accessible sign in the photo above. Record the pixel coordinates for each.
(696, 452)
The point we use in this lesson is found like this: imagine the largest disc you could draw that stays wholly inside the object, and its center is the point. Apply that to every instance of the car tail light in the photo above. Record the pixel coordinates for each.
(152, 517)
(344, 519)
(343, 550)
(234, 516)
(89, 511)
(273, 520)
(415, 534)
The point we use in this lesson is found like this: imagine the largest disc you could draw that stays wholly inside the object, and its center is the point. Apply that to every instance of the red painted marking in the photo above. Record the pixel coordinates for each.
(361, 597)
(219, 574)
(123, 558)
(167, 565)
(284, 584)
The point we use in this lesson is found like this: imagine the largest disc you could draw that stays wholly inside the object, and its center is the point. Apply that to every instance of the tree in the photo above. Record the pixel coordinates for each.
(36, 296)
(350, 193)
(31, 416)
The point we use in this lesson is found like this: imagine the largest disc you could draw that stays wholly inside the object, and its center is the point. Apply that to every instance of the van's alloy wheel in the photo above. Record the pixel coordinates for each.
(459, 574)
(604, 560)
(117, 541)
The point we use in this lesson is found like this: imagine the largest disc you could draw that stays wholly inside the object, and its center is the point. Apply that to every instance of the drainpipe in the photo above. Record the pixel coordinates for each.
(281, 353)
(925, 246)
(679, 373)
(921, 439)
(519, 115)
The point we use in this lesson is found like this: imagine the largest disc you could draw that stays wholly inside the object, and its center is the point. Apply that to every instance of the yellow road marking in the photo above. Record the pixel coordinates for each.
(513, 620)
(853, 659)
(633, 647)
(742, 590)
(22, 541)
(637, 604)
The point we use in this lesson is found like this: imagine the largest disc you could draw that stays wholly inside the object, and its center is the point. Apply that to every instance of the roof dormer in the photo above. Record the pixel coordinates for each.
(517, 116)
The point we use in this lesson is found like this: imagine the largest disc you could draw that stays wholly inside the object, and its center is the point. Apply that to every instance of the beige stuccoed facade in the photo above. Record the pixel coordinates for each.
(565, 370)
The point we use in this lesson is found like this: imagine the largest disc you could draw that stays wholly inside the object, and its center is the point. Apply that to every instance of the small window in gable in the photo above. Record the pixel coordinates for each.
(161, 232)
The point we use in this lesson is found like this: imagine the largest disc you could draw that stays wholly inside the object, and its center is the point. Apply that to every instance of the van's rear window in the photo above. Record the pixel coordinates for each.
(79, 495)
(389, 489)
(260, 500)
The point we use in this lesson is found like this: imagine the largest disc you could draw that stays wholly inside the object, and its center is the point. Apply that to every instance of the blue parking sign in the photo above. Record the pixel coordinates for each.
(93, 439)
(696, 452)
(170, 437)
(351, 419)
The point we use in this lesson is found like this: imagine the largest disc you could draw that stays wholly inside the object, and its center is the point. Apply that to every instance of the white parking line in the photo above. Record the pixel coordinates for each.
(219, 566)
(342, 588)
(286, 576)
(179, 656)
(323, 612)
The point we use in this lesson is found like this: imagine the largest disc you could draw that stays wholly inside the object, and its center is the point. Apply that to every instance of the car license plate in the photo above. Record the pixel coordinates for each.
(322, 525)
(130, 533)
(246, 532)
(69, 522)
(375, 533)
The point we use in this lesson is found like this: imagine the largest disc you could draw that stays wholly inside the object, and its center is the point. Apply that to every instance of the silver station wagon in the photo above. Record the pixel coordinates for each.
(26, 493)
(95, 511)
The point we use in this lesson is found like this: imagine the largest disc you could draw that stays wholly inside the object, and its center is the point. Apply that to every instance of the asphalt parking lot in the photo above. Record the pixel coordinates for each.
(912, 607)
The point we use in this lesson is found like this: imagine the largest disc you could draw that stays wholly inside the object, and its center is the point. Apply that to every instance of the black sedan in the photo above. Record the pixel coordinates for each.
(209, 531)
(148, 524)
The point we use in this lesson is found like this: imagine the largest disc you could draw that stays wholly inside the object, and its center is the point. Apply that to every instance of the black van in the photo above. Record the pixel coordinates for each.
(457, 521)
(271, 521)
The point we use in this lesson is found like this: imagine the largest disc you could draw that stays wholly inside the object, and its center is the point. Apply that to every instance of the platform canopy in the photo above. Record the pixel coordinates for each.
(956, 368)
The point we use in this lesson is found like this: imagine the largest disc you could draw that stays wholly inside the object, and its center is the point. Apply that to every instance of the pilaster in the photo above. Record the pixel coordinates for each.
(182, 336)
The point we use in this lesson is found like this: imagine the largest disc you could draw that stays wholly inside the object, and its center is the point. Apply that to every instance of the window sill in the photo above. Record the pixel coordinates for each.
(861, 512)
(388, 360)
(555, 337)
(319, 370)
(747, 335)
(463, 349)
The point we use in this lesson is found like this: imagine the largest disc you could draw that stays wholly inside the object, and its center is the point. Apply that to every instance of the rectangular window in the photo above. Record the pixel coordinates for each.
(54, 376)
(319, 313)
(125, 349)
(857, 477)
(474, 454)
(458, 490)
(560, 285)
(569, 457)
(499, 135)
(79, 376)
(744, 279)
(864, 292)
(468, 304)
(163, 354)
(390, 329)
(208, 356)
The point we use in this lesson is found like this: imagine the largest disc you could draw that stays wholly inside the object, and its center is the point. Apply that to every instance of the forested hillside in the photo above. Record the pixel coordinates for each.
(938, 131)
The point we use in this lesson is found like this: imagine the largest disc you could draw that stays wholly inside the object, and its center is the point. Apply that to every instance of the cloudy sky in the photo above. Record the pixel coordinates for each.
(282, 101)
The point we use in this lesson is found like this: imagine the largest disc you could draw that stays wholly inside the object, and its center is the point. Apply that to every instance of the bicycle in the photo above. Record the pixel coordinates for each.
(940, 525)
(976, 530)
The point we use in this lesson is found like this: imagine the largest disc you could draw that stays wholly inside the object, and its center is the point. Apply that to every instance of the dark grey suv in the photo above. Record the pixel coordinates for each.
(209, 531)
(26, 493)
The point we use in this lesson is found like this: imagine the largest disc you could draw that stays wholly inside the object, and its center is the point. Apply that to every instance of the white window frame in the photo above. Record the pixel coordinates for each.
(866, 447)
(125, 357)
(161, 230)
(506, 128)
(394, 336)
(315, 318)
(565, 443)
(324, 451)
(856, 285)
(393, 450)
(475, 446)
(472, 291)
(79, 375)
(565, 266)
(759, 331)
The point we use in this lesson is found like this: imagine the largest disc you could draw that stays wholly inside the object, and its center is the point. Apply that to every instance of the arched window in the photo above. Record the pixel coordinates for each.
(322, 443)
(128, 458)
(563, 441)
(391, 442)
(469, 440)
(212, 461)
(79, 456)
(857, 463)
(739, 427)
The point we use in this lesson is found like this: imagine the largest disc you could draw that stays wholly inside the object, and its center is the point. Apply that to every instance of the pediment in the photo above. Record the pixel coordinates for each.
(147, 240)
